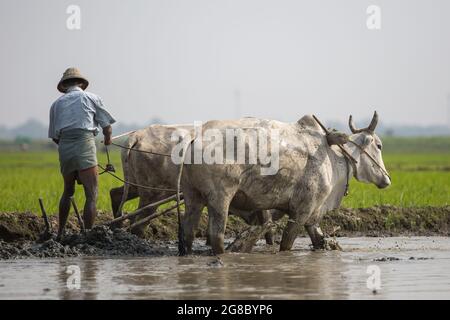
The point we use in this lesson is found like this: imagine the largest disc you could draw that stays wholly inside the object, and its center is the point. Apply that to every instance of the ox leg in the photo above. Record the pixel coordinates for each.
(295, 222)
(263, 217)
(269, 237)
(307, 201)
(289, 235)
(116, 197)
(218, 214)
(317, 236)
(258, 218)
(194, 205)
(140, 230)
(208, 233)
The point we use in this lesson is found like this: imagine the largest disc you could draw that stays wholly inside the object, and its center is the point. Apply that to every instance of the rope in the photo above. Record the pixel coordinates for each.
(350, 159)
(110, 170)
(105, 170)
(348, 156)
(139, 150)
(353, 160)
(347, 183)
(370, 157)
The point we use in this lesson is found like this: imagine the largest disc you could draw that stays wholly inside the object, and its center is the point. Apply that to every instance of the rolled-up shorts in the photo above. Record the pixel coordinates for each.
(76, 150)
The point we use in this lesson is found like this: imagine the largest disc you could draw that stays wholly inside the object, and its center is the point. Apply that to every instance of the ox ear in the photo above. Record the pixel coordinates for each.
(336, 137)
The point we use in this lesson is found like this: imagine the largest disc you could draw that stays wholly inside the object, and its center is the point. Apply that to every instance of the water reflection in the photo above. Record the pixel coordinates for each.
(299, 274)
(89, 275)
(256, 276)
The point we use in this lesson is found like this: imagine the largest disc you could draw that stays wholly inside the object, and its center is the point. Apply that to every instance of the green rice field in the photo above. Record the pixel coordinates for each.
(420, 173)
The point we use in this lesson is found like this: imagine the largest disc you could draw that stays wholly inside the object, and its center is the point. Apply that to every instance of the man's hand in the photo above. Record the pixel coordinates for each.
(107, 132)
(107, 141)
(56, 141)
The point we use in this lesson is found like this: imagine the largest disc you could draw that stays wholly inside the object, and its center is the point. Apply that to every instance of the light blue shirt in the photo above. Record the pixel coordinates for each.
(78, 109)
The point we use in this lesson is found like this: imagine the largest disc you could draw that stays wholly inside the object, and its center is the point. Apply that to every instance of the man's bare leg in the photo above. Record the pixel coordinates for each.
(64, 202)
(89, 179)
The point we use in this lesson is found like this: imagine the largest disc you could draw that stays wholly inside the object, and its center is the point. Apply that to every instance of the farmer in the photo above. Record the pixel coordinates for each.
(74, 121)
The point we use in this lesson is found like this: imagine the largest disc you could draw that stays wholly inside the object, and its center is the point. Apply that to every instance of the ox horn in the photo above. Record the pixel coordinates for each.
(370, 128)
(373, 123)
(352, 126)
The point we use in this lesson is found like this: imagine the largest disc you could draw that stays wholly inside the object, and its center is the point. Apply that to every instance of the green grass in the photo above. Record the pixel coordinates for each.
(417, 161)
(408, 189)
(418, 145)
(26, 176)
(418, 178)
(420, 171)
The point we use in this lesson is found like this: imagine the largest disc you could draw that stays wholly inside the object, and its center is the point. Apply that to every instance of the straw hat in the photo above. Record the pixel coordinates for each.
(72, 73)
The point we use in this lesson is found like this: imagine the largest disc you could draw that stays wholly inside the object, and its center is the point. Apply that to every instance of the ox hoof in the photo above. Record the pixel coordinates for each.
(332, 244)
(329, 245)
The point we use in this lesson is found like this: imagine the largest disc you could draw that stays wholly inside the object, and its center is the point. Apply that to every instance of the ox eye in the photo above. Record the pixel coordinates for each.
(379, 146)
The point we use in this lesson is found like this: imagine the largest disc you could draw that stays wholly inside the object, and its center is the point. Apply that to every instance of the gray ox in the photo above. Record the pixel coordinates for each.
(151, 169)
(311, 179)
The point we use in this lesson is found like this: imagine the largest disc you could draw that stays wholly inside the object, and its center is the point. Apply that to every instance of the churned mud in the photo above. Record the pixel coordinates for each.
(19, 232)
(20, 237)
(100, 241)
(28, 226)
(383, 221)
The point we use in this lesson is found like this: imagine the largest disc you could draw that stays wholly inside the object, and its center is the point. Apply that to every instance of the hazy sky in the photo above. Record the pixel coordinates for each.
(186, 60)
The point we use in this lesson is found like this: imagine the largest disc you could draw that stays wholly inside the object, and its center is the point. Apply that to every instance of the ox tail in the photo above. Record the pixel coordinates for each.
(125, 157)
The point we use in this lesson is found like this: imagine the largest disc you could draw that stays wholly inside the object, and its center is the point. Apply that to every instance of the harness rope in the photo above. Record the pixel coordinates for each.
(110, 170)
(347, 183)
(350, 159)
(363, 150)
(106, 170)
(140, 150)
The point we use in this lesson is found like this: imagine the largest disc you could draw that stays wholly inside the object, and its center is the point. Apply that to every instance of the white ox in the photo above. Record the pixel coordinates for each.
(311, 179)
(150, 168)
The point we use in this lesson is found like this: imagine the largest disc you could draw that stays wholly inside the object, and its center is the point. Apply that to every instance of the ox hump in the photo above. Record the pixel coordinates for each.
(308, 122)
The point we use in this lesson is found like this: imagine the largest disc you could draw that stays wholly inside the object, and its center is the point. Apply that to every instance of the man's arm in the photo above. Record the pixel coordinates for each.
(51, 126)
(102, 117)
(107, 132)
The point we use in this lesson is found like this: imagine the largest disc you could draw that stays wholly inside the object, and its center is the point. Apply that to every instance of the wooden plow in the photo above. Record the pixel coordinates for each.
(143, 209)
(246, 240)
(48, 227)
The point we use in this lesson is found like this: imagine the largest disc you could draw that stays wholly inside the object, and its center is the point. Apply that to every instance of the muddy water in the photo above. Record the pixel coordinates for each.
(416, 267)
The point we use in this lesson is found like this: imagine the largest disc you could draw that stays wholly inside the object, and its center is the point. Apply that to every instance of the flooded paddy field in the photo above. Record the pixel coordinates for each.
(410, 268)
(402, 230)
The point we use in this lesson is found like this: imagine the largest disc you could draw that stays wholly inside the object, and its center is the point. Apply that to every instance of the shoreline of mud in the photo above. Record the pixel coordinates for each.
(19, 232)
